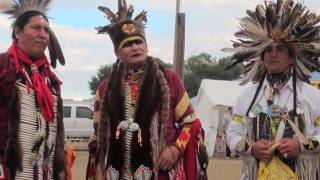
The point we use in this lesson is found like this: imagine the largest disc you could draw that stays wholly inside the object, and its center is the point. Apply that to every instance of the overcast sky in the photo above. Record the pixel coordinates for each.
(210, 25)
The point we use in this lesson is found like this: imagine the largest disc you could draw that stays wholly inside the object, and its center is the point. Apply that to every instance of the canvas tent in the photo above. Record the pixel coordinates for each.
(214, 96)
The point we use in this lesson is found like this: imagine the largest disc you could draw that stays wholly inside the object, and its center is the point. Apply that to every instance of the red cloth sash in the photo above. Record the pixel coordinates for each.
(44, 95)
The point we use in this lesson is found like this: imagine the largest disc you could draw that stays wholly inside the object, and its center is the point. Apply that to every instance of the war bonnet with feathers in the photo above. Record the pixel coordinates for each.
(284, 21)
(20, 7)
(122, 27)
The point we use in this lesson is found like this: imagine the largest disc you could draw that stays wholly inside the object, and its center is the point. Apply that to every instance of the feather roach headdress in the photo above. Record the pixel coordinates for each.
(283, 21)
(122, 27)
(21, 7)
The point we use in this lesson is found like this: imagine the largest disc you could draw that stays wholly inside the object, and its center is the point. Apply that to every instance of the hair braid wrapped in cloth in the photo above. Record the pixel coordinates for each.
(286, 21)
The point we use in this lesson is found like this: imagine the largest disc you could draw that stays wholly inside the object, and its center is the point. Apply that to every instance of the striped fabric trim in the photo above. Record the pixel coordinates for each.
(183, 138)
(238, 119)
(182, 106)
(317, 122)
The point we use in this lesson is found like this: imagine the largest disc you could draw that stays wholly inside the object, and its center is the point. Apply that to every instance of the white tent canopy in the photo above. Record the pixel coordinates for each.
(214, 96)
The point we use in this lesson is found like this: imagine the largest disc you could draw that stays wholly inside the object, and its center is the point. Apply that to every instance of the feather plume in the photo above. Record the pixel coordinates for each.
(284, 21)
(245, 43)
(270, 19)
(19, 7)
(239, 58)
(102, 29)
(250, 20)
(299, 22)
(256, 68)
(245, 35)
(279, 8)
(316, 47)
(314, 65)
(110, 15)
(250, 27)
(122, 10)
(55, 50)
(142, 17)
(124, 13)
(301, 67)
(251, 14)
(130, 12)
(260, 15)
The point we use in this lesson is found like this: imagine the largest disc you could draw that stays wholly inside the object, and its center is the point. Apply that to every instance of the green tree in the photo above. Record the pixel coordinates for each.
(103, 73)
(197, 68)
(164, 64)
(204, 66)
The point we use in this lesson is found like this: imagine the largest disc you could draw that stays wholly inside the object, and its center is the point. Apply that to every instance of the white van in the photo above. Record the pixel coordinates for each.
(77, 118)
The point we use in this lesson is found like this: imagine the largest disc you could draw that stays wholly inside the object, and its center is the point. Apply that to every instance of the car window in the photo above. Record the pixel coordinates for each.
(67, 111)
(83, 112)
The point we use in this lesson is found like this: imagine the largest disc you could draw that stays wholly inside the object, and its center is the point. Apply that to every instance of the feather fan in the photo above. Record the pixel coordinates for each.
(283, 20)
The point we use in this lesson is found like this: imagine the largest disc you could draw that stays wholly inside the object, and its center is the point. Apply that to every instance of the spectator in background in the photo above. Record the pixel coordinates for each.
(227, 118)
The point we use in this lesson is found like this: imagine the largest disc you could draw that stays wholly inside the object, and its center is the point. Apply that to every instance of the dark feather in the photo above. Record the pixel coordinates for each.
(279, 7)
(110, 15)
(120, 5)
(142, 17)
(285, 19)
(246, 35)
(299, 22)
(270, 19)
(130, 12)
(251, 14)
(308, 63)
(102, 29)
(308, 34)
(55, 50)
(302, 75)
(239, 58)
(260, 15)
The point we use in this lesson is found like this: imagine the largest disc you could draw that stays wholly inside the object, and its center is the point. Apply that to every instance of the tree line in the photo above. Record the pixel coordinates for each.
(197, 68)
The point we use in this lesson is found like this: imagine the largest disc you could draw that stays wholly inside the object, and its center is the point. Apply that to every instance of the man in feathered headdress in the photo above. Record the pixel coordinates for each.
(31, 126)
(144, 122)
(276, 122)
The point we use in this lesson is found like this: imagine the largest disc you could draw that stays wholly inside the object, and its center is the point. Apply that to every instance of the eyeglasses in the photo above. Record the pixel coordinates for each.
(130, 43)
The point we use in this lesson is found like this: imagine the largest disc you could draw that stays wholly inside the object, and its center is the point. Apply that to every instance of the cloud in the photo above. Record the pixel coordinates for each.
(5, 32)
(210, 25)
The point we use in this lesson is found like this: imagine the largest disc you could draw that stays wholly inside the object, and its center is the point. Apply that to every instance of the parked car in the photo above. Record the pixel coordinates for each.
(77, 120)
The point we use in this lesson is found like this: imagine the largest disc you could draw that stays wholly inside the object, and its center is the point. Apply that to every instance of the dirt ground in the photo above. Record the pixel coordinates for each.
(219, 168)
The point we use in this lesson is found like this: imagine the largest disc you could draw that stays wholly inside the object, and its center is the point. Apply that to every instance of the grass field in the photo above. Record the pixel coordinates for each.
(219, 168)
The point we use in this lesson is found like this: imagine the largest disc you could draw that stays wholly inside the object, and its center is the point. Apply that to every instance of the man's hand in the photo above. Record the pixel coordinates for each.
(289, 148)
(168, 159)
(260, 148)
